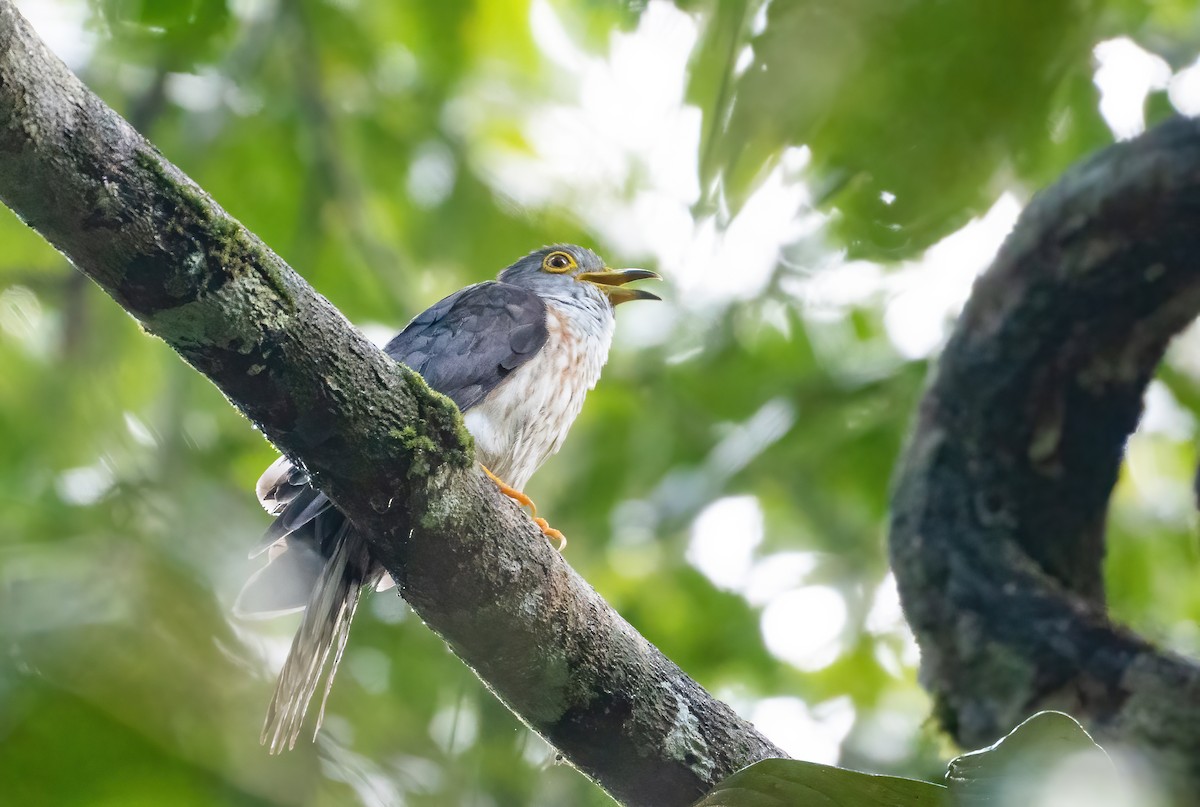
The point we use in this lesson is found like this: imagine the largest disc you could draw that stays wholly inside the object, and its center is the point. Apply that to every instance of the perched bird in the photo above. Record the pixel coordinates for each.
(517, 355)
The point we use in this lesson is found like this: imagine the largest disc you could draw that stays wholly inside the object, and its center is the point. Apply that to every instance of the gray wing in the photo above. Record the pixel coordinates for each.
(468, 343)
(463, 346)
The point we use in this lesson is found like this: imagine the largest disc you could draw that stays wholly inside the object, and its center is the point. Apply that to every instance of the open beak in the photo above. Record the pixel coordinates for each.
(611, 282)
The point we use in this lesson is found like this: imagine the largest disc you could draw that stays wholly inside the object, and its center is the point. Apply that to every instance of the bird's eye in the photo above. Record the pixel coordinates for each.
(558, 262)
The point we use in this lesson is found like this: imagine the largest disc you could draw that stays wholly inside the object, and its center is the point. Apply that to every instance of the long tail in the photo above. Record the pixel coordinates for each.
(323, 633)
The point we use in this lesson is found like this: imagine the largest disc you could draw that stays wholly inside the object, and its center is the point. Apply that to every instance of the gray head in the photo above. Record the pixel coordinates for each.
(568, 272)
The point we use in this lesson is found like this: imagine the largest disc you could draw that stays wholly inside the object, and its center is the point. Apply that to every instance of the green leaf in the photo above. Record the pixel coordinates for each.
(1020, 769)
(789, 782)
(912, 127)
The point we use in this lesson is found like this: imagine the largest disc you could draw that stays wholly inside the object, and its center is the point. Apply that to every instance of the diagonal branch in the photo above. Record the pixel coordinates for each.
(387, 450)
(997, 534)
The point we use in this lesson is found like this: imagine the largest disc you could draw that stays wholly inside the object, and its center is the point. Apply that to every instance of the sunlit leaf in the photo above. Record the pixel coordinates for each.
(791, 782)
(1017, 769)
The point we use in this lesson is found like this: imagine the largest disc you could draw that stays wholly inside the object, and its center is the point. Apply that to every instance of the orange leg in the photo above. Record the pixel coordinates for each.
(509, 491)
(523, 500)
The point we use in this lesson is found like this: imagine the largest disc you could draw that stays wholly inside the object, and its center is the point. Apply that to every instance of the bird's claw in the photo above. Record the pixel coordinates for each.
(551, 533)
(523, 500)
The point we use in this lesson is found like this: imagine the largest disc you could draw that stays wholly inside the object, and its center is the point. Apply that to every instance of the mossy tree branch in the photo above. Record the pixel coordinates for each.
(997, 534)
(391, 453)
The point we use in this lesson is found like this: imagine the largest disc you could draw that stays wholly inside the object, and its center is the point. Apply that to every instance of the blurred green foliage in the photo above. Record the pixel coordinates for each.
(939, 105)
(373, 145)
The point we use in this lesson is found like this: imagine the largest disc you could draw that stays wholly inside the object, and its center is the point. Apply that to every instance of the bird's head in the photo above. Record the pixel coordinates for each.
(565, 270)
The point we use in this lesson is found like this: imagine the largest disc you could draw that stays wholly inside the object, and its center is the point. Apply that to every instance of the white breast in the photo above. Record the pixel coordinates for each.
(524, 421)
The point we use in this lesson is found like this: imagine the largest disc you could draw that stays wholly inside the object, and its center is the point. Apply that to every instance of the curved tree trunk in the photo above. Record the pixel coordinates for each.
(392, 454)
(997, 533)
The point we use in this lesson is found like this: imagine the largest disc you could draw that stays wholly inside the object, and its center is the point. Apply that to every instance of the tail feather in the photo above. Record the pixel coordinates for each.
(323, 632)
(340, 643)
(284, 585)
(315, 562)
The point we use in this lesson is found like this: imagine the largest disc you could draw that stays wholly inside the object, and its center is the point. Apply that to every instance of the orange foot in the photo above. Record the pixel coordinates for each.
(523, 500)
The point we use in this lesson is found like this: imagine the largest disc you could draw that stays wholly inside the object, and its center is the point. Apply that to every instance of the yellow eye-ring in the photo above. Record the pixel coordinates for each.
(558, 262)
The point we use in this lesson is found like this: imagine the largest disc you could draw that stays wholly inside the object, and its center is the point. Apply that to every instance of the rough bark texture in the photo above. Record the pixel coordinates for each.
(997, 534)
(392, 454)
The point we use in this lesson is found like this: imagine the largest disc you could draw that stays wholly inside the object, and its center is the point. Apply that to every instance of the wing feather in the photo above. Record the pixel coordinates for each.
(468, 343)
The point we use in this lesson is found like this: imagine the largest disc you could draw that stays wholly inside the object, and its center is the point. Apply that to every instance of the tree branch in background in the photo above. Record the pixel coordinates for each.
(391, 453)
(997, 534)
